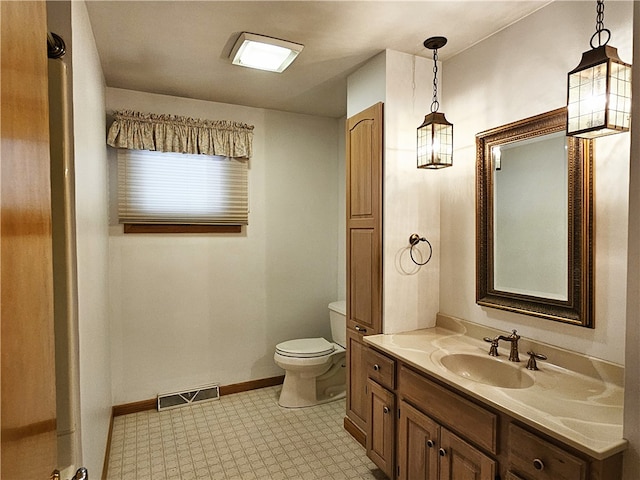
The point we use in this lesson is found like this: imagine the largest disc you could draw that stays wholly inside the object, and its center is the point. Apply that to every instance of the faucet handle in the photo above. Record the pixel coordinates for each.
(531, 364)
(493, 350)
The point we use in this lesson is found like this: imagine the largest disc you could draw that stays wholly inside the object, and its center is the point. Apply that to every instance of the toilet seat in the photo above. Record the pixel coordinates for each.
(305, 348)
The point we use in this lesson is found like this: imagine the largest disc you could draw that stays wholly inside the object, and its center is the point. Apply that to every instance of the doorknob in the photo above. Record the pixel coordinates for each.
(81, 474)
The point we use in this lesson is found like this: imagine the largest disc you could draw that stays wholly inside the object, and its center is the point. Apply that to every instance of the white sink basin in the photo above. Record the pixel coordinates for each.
(487, 370)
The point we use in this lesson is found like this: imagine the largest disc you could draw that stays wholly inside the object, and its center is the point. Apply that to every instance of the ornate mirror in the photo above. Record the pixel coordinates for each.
(534, 225)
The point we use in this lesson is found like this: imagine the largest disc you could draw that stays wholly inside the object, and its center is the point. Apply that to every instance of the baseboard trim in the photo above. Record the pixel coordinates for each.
(152, 404)
(251, 385)
(135, 407)
(355, 432)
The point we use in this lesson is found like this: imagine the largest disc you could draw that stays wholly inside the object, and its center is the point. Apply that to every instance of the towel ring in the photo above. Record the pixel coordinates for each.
(414, 240)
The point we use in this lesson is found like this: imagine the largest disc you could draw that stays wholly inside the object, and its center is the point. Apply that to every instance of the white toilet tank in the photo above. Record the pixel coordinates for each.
(338, 319)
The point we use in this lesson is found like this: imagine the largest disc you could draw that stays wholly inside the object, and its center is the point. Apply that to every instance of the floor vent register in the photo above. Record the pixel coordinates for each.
(207, 393)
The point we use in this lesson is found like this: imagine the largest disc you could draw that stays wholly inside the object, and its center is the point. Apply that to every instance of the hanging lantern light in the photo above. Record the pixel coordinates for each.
(599, 89)
(435, 135)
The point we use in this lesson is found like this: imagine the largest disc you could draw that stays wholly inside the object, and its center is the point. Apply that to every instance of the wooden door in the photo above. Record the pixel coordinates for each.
(364, 220)
(381, 433)
(461, 461)
(364, 254)
(356, 380)
(418, 443)
(28, 404)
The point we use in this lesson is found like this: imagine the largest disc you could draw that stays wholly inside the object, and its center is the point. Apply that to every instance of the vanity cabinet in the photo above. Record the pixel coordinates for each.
(477, 424)
(364, 255)
(428, 451)
(382, 427)
(381, 424)
(356, 421)
(439, 433)
(418, 443)
(427, 447)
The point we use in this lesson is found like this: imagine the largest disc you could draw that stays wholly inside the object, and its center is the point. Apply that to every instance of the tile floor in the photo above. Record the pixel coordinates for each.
(243, 436)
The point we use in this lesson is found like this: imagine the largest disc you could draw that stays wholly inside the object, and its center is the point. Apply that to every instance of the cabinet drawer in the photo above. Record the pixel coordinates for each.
(534, 457)
(462, 416)
(512, 476)
(381, 369)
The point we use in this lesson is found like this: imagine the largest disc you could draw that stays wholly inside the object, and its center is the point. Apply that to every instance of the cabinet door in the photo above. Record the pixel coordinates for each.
(381, 432)
(418, 442)
(364, 220)
(356, 380)
(461, 461)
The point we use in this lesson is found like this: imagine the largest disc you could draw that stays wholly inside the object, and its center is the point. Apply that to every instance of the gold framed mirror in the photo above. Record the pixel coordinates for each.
(534, 220)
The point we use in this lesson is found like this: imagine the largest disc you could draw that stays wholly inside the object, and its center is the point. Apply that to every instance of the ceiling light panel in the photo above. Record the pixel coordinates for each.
(264, 53)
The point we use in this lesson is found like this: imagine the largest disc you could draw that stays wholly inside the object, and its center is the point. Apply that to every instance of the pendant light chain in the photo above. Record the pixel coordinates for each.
(435, 135)
(434, 103)
(600, 30)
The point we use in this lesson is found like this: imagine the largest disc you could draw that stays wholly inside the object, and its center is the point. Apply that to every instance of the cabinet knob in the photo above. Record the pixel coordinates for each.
(361, 329)
(385, 409)
(430, 443)
(376, 367)
(538, 464)
(442, 452)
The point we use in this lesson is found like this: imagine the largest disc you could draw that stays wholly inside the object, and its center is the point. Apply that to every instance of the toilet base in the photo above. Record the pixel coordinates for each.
(308, 389)
(330, 394)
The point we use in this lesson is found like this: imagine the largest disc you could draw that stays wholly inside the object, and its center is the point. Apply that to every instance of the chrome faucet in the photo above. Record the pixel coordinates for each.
(513, 338)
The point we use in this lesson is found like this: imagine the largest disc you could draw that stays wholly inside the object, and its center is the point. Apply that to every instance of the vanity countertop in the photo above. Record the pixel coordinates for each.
(582, 407)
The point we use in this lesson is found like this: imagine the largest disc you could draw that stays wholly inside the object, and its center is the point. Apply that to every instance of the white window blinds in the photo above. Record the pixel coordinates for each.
(178, 188)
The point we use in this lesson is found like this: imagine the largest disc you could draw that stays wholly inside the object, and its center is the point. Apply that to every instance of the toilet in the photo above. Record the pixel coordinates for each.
(315, 370)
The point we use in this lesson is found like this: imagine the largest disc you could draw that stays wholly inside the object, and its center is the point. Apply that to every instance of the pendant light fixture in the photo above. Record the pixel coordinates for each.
(435, 135)
(599, 89)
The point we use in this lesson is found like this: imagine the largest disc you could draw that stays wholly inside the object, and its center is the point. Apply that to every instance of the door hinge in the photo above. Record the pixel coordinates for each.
(398, 413)
(398, 470)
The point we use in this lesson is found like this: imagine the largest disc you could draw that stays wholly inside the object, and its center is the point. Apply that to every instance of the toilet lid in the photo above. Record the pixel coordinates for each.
(305, 348)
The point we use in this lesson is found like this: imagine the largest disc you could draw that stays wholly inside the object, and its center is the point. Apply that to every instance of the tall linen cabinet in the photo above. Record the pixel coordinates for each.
(364, 164)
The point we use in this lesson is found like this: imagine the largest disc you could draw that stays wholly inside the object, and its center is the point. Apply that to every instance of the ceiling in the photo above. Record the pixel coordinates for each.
(181, 48)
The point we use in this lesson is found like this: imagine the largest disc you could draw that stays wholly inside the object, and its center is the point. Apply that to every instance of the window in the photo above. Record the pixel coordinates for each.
(159, 188)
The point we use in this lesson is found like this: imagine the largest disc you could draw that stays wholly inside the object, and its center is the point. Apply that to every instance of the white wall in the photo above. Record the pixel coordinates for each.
(411, 199)
(188, 310)
(517, 73)
(367, 85)
(92, 242)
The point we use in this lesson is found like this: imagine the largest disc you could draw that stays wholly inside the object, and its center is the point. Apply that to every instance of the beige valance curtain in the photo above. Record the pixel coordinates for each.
(172, 133)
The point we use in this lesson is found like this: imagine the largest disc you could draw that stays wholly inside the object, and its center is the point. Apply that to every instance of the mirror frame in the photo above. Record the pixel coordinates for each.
(578, 309)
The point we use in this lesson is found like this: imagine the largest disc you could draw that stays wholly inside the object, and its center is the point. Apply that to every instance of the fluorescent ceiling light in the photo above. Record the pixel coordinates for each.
(264, 53)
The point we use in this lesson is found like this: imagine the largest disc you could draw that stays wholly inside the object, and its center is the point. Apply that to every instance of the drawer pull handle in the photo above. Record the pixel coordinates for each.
(385, 409)
(442, 452)
(376, 367)
(430, 443)
(361, 329)
(538, 464)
